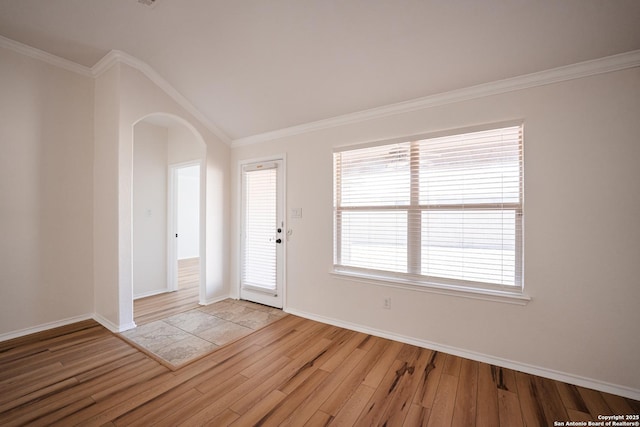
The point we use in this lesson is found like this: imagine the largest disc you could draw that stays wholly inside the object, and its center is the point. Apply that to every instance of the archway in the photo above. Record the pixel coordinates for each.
(160, 141)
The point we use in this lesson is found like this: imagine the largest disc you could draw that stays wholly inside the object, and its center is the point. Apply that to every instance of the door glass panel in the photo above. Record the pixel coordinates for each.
(260, 224)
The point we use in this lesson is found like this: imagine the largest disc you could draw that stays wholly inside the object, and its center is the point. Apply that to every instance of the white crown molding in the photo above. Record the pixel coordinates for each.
(41, 55)
(575, 71)
(117, 56)
(606, 387)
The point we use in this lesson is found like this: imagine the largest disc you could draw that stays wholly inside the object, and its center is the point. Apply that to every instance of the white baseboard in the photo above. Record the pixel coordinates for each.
(45, 326)
(112, 326)
(213, 300)
(480, 357)
(152, 293)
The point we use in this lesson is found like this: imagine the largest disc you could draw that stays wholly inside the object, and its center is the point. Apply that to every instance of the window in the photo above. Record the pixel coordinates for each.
(440, 211)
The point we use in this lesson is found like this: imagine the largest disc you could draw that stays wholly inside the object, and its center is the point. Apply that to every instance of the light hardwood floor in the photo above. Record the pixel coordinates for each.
(293, 372)
(185, 298)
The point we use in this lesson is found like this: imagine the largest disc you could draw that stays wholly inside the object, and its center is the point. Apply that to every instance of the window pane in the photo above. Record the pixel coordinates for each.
(374, 176)
(470, 245)
(374, 240)
(458, 209)
(480, 167)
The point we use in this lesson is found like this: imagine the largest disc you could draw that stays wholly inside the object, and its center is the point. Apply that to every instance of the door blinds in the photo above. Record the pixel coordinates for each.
(260, 223)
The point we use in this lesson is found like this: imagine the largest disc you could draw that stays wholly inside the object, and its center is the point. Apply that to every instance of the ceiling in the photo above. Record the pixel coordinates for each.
(253, 66)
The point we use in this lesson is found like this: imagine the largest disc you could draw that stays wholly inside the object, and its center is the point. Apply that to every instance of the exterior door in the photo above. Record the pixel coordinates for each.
(263, 233)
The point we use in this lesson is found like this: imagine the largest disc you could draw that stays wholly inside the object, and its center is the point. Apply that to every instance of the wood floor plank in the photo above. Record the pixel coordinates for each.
(509, 409)
(418, 416)
(286, 407)
(530, 402)
(426, 394)
(158, 409)
(578, 415)
(37, 394)
(409, 382)
(187, 409)
(40, 408)
(225, 401)
(378, 372)
(464, 411)
(354, 378)
(594, 402)
(618, 405)
(258, 410)
(282, 376)
(226, 418)
(312, 404)
(444, 402)
(381, 399)
(352, 408)
(571, 398)
(550, 399)
(228, 368)
(319, 419)
(452, 365)
(487, 414)
(344, 349)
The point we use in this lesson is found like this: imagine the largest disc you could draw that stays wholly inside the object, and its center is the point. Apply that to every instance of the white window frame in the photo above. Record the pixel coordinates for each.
(411, 279)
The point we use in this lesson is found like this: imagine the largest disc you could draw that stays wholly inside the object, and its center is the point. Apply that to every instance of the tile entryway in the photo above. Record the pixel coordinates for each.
(185, 337)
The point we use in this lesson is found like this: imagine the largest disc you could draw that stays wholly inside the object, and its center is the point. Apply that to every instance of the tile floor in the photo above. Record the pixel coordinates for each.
(187, 336)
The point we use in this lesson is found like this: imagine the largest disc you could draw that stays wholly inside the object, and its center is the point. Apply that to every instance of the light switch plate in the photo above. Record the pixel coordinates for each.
(296, 212)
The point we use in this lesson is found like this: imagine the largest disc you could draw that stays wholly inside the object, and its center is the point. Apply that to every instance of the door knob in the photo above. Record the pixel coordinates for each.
(279, 241)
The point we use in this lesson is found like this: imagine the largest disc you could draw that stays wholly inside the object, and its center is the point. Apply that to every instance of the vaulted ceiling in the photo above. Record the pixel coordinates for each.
(253, 66)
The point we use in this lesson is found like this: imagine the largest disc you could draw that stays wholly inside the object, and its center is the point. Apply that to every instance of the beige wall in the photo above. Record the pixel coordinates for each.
(105, 195)
(183, 146)
(140, 98)
(149, 209)
(157, 143)
(66, 186)
(582, 239)
(46, 184)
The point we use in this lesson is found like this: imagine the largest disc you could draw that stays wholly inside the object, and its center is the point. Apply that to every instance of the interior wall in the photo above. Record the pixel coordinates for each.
(149, 209)
(183, 146)
(105, 197)
(140, 98)
(582, 242)
(46, 212)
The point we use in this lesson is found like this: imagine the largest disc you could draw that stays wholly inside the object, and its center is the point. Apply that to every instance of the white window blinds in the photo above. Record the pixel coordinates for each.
(260, 223)
(445, 210)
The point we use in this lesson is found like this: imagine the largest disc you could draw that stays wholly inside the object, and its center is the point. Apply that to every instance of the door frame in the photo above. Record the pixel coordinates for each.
(283, 188)
(172, 224)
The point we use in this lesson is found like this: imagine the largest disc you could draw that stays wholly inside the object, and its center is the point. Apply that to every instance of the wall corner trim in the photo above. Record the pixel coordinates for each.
(607, 64)
(606, 387)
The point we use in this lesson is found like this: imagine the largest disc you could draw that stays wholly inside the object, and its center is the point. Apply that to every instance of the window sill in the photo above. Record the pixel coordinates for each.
(518, 298)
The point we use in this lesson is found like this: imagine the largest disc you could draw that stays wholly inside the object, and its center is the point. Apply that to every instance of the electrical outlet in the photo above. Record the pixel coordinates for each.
(387, 303)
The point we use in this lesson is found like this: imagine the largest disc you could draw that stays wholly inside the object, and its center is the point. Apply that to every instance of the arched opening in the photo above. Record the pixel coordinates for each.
(167, 171)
